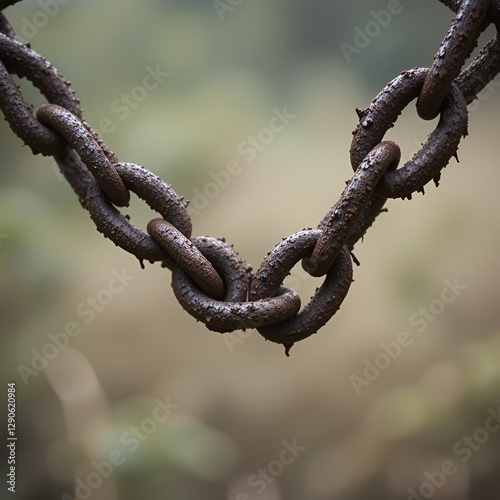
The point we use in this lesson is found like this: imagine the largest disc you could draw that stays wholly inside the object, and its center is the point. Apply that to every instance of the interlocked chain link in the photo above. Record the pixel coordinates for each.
(210, 280)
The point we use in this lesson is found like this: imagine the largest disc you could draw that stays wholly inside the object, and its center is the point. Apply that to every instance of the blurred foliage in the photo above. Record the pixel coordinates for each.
(238, 401)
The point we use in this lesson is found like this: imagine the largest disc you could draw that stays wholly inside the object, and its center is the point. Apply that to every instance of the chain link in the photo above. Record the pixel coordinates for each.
(82, 141)
(118, 228)
(434, 155)
(457, 46)
(210, 280)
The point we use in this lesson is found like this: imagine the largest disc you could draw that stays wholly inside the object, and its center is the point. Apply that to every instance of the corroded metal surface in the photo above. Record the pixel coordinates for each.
(210, 280)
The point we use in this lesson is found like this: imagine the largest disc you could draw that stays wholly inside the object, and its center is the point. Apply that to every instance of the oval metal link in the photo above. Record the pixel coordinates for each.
(344, 216)
(456, 47)
(158, 195)
(434, 155)
(23, 61)
(234, 312)
(82, 141)
(187, 256)
(325, 302)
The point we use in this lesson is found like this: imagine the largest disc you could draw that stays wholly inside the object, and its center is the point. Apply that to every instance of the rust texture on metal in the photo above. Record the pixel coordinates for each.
(188, 257)
(456, 47)
(481, 71)
(17, 58)
(118, 228)
(434, 155)
(209, 278)
(234, 312)
(82, 141)
(492, 14)
(344, 216)
(325, 302)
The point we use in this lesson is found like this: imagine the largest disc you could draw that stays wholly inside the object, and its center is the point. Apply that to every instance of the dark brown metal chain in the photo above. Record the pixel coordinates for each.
(210, 280)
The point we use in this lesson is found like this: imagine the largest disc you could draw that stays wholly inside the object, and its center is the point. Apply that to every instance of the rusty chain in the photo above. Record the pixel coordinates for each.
(210, 280)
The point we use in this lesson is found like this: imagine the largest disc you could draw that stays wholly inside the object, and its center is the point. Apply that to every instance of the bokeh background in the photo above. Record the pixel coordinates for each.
(239, 399)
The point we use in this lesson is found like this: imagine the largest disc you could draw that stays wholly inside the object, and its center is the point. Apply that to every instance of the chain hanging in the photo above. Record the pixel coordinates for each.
(210, 280)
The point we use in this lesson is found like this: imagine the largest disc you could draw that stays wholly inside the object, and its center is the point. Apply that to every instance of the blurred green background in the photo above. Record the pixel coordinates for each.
(239, 401)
